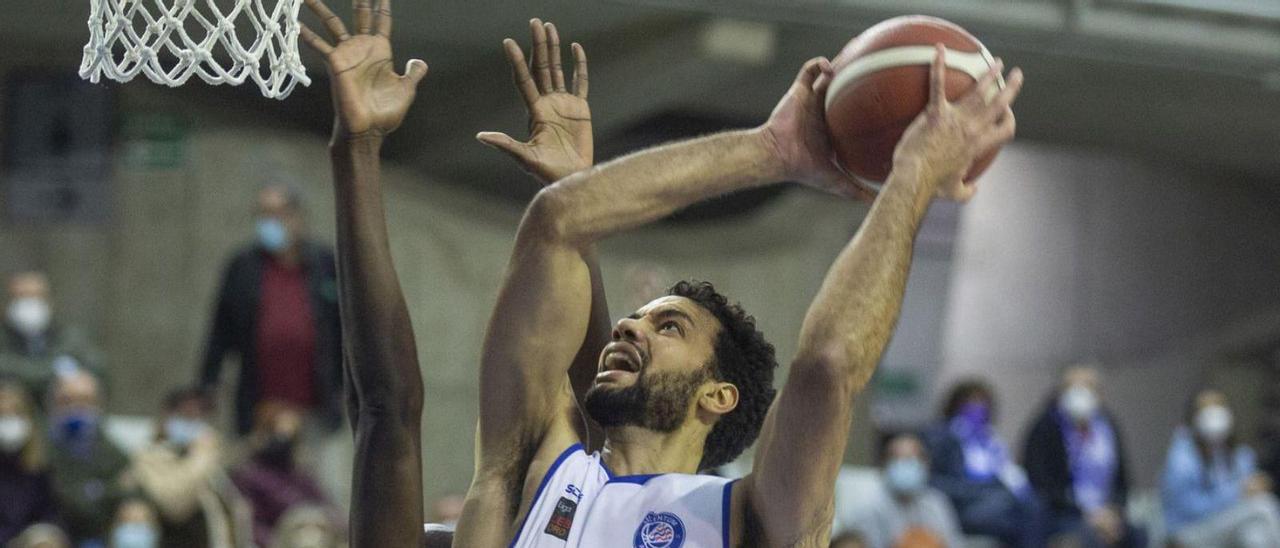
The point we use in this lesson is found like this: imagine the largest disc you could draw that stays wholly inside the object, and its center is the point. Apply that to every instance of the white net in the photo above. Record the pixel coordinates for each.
(172, 40)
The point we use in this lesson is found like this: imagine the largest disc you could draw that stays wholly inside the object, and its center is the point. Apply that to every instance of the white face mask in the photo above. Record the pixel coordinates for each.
(14, 433)
(1079, 402)
(1214, 423)
(29, 315)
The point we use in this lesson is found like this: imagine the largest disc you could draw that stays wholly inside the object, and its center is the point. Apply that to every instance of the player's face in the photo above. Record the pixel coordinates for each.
(649, 375)
(670, 334)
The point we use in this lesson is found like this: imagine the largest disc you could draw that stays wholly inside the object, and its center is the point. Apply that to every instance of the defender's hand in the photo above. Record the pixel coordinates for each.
(945, 139)
(559, 121)
(369, 98)
(797, 132)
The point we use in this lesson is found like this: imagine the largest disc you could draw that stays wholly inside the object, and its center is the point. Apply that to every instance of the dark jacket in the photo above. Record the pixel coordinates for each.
(1044, 456)
(26, 498)
(235, 324)
(34, 362)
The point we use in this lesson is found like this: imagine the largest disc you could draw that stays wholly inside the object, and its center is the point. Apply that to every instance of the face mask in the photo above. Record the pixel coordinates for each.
(272, 235)
(29, 315)
(182, 432)
(75, 426)
(278, 452)
(1214, 423)
(1079, 403)
(975, 413)
(906, 476)
(14, 433)
(133, 535)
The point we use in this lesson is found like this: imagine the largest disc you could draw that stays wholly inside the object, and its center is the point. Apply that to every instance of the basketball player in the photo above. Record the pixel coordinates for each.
(385, 385)
(686, 383)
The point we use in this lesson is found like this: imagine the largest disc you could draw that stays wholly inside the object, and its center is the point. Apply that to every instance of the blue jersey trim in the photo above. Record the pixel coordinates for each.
(638, 479)
(726, 514)
(538, 495)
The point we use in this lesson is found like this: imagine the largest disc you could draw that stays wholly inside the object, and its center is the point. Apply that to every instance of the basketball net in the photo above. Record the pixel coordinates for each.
(172, 40)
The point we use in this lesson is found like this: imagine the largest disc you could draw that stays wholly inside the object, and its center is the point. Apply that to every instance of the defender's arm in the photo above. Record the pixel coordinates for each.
(849, 323)
(381, 361)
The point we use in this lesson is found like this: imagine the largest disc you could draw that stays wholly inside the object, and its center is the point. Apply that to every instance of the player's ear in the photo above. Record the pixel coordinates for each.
(719, 398)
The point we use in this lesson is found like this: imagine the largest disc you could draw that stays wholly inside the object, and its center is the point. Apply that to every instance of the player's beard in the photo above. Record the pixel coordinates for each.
(657, 401)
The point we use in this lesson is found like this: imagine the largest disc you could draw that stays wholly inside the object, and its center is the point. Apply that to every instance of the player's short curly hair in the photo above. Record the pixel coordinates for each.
(743, 358)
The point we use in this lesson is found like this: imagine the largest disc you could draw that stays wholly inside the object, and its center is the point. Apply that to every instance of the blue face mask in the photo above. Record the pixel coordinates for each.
(272, 235)
(133, 535)
(75, 426)
(182, 432)
(906, 476)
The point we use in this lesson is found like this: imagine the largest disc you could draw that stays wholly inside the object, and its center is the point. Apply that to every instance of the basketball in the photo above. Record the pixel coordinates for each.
(880, 83)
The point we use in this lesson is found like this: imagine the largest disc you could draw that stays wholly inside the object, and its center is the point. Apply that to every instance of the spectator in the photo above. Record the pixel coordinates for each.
(278, 313)
(181, 475)
(307, 526)
(41, 535)
(904, 510)
(135, 526)
(85, 466)
(1076, 463)
(1212, 492)
(971, 464)
(26, 497)
(269, 478)
(35, 346)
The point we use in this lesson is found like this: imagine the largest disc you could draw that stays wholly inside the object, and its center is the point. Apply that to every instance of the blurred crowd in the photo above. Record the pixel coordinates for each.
(66, 481)
(958, 483)
(68, 478)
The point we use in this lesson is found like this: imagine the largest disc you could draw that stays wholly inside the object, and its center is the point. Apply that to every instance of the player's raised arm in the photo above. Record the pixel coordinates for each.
(370, 101)
(848, 325)
(560, 144)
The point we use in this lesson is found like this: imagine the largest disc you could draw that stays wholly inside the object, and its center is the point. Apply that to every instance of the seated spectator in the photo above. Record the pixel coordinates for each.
(35, 346)
(971, 464)
(903, 510)
(181, 475)
(135, 526)
(1076, 464)
(1211, 490)
(307, 526)
(269, 479)
(25, 495)
(85, 466)
(41, 535)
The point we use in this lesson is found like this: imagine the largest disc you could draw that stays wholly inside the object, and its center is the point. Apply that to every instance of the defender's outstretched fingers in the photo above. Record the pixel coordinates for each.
(314, 40)
(553, 51)
(414, 71)
(541, 64)
(505, 143)
(331, 21)
(363, 11)
(580, 78)
(938, 78)
(520, 72)
(382, 19)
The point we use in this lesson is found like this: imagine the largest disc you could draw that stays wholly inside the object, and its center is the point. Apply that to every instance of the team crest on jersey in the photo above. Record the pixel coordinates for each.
(660, 530)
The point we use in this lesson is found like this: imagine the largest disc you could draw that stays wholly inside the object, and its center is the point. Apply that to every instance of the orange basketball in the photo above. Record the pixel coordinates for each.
(881, 82)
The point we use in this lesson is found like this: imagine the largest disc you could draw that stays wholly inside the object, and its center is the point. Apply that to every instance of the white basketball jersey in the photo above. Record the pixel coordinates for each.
(580, 503)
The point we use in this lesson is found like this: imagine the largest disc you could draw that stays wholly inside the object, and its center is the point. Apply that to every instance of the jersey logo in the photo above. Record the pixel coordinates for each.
(660, 530)
(562, 519)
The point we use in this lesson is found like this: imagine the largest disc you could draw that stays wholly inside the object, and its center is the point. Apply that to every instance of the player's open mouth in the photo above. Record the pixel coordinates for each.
(622, 356)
